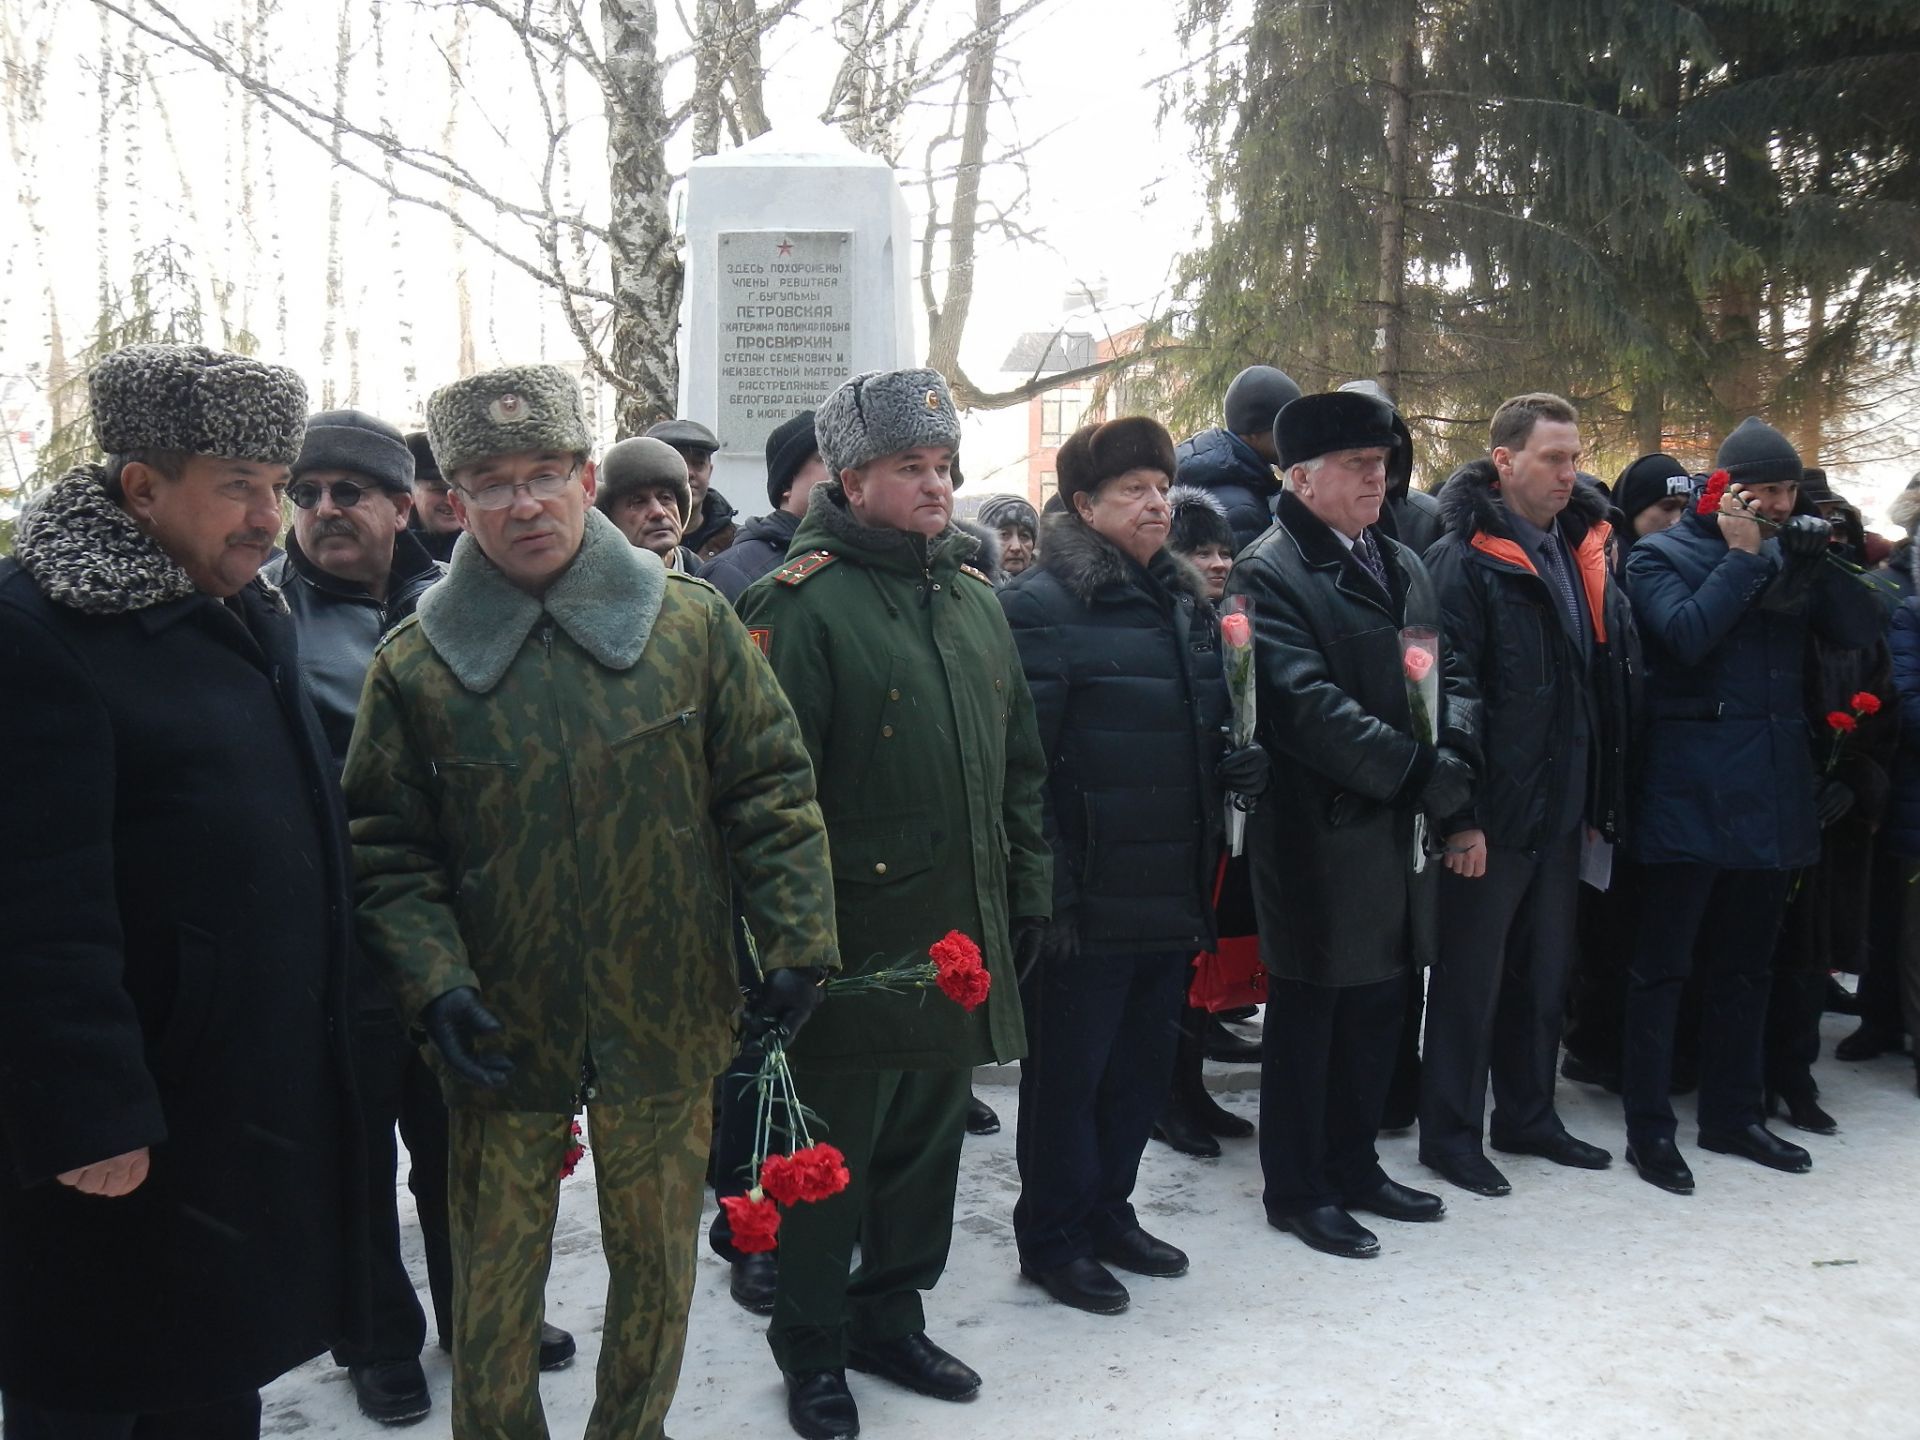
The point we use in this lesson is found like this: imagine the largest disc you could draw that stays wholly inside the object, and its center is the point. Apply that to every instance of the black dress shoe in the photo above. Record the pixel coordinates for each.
(1868, 1041)
(1840, 1000)
(1177, 1129)
(755, 1278)
(1139, 1252)
(1332, 1231)
(1659, 1163)
(1561, 1149)
(1804, 1113)
(1084, 1284)
(1215, 1118)
(1395, 1201)
(392, 1392)
(1220, 1043)
(556, 1347)
(1583, 1072)
(1760, 1145)
(820, 1407)
(1473, 1173)
(980, 1117)
(917, 1363)
(1238, 1012)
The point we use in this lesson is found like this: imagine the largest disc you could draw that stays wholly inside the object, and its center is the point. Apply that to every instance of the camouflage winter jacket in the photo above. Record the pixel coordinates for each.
(549, 801)
(909, 691)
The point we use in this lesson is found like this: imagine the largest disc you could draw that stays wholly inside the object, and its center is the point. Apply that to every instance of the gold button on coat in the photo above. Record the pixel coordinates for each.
(879, 867)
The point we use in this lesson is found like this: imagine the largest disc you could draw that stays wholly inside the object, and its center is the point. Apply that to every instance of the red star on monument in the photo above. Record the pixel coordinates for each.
(786, 247)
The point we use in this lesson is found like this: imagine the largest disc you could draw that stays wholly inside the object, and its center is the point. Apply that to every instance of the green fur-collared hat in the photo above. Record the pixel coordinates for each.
(882, 413)
(521, 410)
(197, 401)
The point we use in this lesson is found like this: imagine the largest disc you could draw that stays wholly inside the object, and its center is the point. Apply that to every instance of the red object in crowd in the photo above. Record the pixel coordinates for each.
(959, 970)
(575, 1153)
(814, 1173)
(755, 1223)
(1842, 723)
(1865, 703)
(1715, 492)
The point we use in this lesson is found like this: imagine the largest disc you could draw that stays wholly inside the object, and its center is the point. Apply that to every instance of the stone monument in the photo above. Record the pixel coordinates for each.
(797, 277)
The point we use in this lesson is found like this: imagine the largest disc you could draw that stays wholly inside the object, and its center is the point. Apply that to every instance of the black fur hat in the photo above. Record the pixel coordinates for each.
(1316, 425)
(1096, 453)
(1198, 519)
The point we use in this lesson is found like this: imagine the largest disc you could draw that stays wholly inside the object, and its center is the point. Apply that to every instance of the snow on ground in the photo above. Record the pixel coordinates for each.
(1582, 1307)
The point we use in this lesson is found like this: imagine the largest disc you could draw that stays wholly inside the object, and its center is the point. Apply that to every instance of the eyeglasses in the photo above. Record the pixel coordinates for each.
(345, 494)
(501, 495)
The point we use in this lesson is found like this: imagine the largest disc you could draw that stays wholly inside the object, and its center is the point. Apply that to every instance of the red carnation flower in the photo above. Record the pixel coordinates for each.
(966, 988)
(822, 1170)
(954, 951)
(755, 1223)
(959, 970)
(575, 1153)
(1865, 703)
(1842, 723)
(783, 1178)
(1715, 492)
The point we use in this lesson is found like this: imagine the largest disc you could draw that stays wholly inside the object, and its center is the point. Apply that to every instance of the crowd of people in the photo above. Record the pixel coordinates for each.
(540, 835)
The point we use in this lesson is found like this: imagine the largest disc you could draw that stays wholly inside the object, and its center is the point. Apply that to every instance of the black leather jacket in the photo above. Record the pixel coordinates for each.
(339, 623)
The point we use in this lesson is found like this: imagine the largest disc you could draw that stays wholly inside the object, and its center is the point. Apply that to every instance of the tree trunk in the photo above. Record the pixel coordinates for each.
(749, 98)
(336, 289)
(947, 322)
(1814, 400)
(103, 174)
(646, 266)
(1649, 419)
(1390, 337)
(466, 361)
(708, 69)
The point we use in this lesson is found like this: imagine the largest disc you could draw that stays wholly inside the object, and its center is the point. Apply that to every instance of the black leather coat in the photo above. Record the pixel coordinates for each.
(1332, 841)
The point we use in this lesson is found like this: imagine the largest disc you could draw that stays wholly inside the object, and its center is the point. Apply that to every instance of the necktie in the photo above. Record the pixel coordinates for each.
(1556, 564)
(1368, 555)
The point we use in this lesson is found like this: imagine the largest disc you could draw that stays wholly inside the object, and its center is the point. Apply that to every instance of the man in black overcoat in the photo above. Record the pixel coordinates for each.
(179, 1172)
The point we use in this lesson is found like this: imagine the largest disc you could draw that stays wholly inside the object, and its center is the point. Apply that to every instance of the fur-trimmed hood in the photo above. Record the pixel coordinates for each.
(86, 553)
(1085, 562)
(606, 600)
(1470, 503)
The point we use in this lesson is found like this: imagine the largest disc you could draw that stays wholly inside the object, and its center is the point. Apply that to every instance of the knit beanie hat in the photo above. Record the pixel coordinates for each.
(1199, 518)
(1648, 481)
(790, 446)
(354, 440)
(196, 401)
(642, 463)
(1005, 512)
(1257, 394)
(1758, 454)
(1097, 453)
(519, 410)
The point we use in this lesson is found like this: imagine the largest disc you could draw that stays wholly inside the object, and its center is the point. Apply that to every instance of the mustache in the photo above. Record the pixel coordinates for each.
(333, 529)
(252, 537)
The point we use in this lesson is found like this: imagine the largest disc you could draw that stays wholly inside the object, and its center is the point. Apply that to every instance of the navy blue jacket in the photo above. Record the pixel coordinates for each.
(1728, 775)
(1220, 461)
(1902, 821)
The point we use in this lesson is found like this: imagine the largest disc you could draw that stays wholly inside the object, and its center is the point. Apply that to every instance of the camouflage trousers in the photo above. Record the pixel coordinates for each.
(503, 1183)
(901, 1131)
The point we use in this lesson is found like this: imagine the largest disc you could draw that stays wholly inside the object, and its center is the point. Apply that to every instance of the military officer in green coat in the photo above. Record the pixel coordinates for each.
(910, 694)
(560, 770)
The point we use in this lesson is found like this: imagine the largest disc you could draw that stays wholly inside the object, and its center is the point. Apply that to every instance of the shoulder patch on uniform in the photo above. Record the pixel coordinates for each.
(686, 579)
(762, 637)
(805, 568)
(979, 575)
(396, 632)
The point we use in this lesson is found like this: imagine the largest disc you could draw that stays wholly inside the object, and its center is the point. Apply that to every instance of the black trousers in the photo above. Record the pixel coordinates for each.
(736, 1099)
(1403, 1091)
(397, 1087)
(1326, 1060)
(1101, 1036)
(234, 1418)
(1730, 920)
(1597, 993)
(1497, 999)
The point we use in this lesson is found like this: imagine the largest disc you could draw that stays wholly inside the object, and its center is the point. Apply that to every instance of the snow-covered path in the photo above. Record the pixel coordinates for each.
(1581, 1307)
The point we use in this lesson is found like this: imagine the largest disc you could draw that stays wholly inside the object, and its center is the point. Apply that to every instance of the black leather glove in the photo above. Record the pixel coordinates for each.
(787, 997)
(1448, 788)
(1029, 938)
(1245, 771)
(1832, 801)
(454, 1023)
(1805, 537)
(1061, 941)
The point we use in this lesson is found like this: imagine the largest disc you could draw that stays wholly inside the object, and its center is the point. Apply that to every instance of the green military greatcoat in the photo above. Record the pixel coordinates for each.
(550, 801)
(910, 695)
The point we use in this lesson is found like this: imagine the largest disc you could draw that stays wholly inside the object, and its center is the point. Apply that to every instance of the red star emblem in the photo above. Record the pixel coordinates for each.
(786, 247)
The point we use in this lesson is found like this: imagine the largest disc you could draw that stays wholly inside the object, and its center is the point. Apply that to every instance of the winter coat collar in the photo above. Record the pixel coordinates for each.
(1321, 549)
(86, 553)
(413, 569)
(830, 525)
(1222, 456)
(607, 600)
(1093, 568)
(775, 528)
(1470, 504)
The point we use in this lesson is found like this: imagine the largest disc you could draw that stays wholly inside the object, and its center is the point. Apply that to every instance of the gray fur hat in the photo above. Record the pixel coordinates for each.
(642, 463)
(520, 410)
(882, 413)
(354, 440)
(197, 401)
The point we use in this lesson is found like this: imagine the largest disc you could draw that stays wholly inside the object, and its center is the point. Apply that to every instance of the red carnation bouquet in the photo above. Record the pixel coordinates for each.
(1842, 723)
(1713, 498)
(811, 1171)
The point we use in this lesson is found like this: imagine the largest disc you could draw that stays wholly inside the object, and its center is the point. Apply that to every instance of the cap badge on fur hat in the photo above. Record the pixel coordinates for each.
(933, 401)
(506, 409)
(513, 411)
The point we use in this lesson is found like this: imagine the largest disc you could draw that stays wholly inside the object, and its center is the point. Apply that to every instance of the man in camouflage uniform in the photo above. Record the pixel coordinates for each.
(909, 691)
(559, 769)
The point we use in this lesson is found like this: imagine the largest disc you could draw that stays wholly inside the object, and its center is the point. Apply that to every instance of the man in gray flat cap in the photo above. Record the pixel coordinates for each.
(179, 1160)
(899, 663)
(712, 528)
